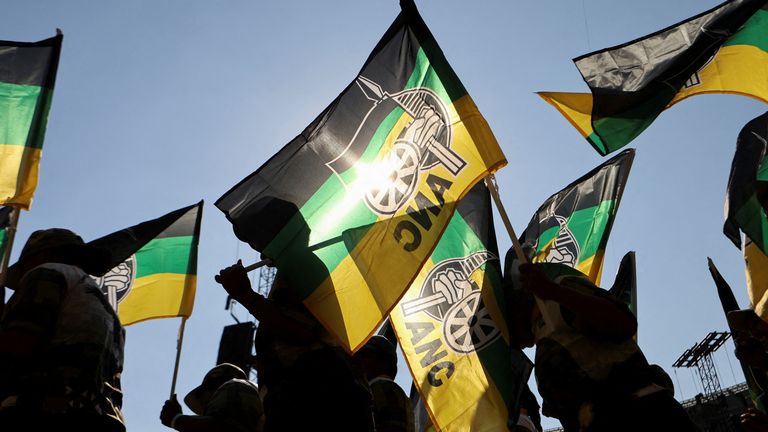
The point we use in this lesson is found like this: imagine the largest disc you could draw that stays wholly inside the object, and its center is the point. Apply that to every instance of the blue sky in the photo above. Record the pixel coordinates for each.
(160, 104)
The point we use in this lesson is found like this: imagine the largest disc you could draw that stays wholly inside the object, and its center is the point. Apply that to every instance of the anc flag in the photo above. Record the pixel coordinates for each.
(757, 381)
(451, 325)
(159, 279)
(27, 76)
(757, 278)
(723, 50)
(573, 225)
(746, 199)
(352, 207)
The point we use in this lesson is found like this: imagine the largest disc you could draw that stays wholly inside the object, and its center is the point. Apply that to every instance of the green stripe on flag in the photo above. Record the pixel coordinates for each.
(753, 32)
(166, 255)
(584, 224)
(18, 104)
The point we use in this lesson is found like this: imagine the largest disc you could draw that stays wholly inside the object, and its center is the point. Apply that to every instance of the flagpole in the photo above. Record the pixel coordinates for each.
(490, 182)
(259, 264)
(13, 223)
(179, 341)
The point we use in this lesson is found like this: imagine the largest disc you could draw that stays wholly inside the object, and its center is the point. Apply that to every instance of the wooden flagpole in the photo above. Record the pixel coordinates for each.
(179, 341)
(490, 182)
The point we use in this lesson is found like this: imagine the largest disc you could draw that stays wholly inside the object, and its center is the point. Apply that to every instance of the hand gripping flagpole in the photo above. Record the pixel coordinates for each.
(490, 182)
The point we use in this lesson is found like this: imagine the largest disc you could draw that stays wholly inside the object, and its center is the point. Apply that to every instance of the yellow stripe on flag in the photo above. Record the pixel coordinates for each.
(161, 295)
(459, 394)
(18, 174)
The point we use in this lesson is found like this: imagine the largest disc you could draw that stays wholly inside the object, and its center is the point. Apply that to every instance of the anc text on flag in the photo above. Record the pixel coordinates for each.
(573, 225)
(27, 77)
(160, 278)
(451, 325)
(353, 206)
(723, 50)
(757, 381)
(746, 198)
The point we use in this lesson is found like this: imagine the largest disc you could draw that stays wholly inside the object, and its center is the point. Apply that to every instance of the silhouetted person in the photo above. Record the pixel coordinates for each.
(392, 409)
(61, 343)
(590, 372)
(309, 381)
(225, 401)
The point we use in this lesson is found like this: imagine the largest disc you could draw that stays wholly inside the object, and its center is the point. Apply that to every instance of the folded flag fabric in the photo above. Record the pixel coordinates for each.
(723, 50)
(351, 209)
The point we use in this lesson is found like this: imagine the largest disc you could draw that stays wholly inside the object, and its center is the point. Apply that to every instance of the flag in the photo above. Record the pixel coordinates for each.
(757, 278)
(159, 279)
(625, 285)
(572, 226)
(756, 380)
(352, 207)
(27, 77)
(746, 198)
(723, 50)
(451, 326)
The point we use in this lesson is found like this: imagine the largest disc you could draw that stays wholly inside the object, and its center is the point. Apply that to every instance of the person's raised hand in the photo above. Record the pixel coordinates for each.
(235, 281)
(171, 409)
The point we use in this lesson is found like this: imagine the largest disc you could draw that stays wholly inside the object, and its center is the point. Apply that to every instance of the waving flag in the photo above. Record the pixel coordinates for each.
(27, 77)
(159, 279)
(451, 325)
(572, 226)
(723, 50)
(353, 206)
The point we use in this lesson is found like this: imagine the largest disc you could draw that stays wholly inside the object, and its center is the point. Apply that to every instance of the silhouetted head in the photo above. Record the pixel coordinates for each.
(58, 245)
(199, 397)
(378, 357)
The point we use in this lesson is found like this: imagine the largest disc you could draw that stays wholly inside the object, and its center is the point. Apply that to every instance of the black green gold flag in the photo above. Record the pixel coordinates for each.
(722, 50)
(27, 78)
(573, 225)
(451, 326)
(157, 276)
(352, 207)
(757, 381)
(746, 199)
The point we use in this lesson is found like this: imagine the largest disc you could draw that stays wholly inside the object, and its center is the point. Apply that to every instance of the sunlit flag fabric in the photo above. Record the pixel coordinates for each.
(572, 226)
(757, 381)
(351, 208)
(27, 77)
(451, 325)
(723, 50)
(756, 263)
(160, 278)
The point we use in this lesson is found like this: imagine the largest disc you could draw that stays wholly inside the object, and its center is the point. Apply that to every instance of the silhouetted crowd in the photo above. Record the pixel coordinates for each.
(61, 356)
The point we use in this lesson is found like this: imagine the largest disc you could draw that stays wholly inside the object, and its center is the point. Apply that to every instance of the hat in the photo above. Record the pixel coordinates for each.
(381, 346)
(212, 380)
(69, 245)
